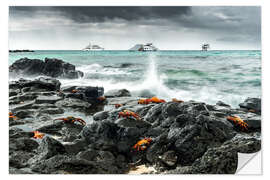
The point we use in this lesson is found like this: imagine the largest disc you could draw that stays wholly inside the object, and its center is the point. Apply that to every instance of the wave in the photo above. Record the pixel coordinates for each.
(95, 68)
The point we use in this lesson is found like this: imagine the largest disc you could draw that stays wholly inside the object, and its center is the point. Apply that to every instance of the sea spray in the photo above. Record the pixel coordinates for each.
(152, 80)
(186, 75)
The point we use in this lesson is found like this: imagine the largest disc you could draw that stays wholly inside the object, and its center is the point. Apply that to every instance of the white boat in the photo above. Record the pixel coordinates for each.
(93, 47)
(144, 47)
(205, 47)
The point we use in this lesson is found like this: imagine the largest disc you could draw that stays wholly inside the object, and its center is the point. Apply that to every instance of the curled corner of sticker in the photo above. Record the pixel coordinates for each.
(249, 163)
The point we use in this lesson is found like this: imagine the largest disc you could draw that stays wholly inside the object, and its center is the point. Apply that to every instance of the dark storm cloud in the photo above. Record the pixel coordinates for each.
(82, 14)
(223, 26)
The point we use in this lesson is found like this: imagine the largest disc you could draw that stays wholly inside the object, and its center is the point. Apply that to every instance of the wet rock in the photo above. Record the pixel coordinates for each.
(252, 104)
(157, 147)
(76, 147)
(62, 164)
(13, 92)
(18, 159)
(21, 147)
(218, 160)
(220, 103)
(22, 144)
(128, 122)
(48, 148)
(13, 170)
(45, 84)
(253, 124)
(74, 104)
(52, 111)
(89, 154)
(154, 114)
(144, 94)
(48, 67)
(117, 93)
(101, 115)
(169, 158)
(127, 137)
(244, 143)
(126, 101)
(101, 134)
(21, 98)
(86, 93)
(47, 99)
(21, 114)
(67, 131)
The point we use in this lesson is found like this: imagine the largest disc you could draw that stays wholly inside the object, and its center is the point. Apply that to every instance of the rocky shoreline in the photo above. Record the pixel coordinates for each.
(179, 137)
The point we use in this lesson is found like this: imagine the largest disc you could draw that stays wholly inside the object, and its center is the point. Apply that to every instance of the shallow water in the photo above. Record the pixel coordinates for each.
(229, 76)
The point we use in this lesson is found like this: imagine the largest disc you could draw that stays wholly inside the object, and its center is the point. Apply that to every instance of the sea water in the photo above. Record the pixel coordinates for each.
(208, 76)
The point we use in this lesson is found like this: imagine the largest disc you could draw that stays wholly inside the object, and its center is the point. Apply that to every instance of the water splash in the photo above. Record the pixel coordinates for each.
(153, 81)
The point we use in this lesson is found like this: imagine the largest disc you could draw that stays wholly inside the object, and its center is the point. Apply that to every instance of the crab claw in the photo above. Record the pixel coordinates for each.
(38, 135)
(81, 121)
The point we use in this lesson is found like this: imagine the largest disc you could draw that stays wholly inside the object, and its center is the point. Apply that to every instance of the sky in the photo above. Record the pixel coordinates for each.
(120, 28)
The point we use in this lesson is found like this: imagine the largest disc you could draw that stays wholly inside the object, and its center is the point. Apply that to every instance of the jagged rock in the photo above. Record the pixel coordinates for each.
(13, 92)
(73, 103)
(101, 115)
(220, 103)
(252, 104)
(48, 67)
(61, 164)
(169, 158)
(47, 99)
(128, 122)
(48, 148)
(47, 84)
(117, 93)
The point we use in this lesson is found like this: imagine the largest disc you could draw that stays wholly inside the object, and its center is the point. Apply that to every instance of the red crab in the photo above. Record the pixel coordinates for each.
(142, 144)
(11, 116)
(38, 135)
(238, 121)
(151, 100)
(128, 113)
(71, 119)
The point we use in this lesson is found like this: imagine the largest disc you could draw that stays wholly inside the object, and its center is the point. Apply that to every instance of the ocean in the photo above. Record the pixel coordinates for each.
(208, 76)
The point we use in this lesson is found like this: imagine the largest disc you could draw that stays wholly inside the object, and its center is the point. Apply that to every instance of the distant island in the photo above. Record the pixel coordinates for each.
(24, 50)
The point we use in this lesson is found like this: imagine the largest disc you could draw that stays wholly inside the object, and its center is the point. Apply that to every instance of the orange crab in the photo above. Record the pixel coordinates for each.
(128, 113)
(142, 144)
(71, 119)
(176, 100)
(11, 116)
(238, 121)
(38, 135)
(74, 90)
(151, 100)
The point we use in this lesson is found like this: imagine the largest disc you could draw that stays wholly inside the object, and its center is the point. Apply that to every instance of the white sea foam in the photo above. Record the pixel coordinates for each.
(99, 69)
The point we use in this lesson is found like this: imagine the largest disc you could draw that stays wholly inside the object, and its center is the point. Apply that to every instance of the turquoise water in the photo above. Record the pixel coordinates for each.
(229, 76)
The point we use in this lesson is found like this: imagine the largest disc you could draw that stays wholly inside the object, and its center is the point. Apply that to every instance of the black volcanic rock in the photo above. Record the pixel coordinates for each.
(17, 50)
(49, 67)
(117, 93)
(252, 104)
(40, 84)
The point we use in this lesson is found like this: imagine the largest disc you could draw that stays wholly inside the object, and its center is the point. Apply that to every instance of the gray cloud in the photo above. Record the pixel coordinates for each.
(121, 27)
(83, 14)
